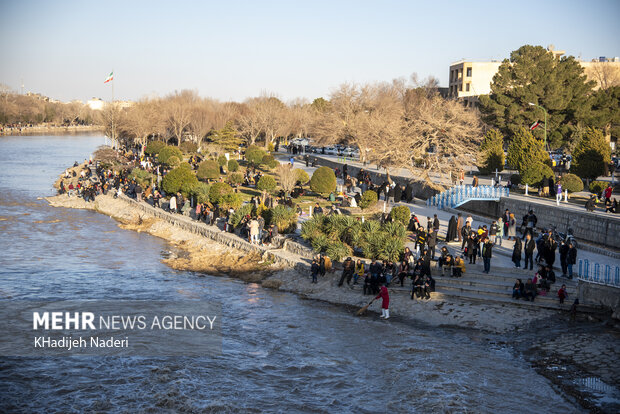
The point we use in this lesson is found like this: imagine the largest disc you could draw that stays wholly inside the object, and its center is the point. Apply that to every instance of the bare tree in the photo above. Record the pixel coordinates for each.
(179, 110)
(287, 178)
(606, 75)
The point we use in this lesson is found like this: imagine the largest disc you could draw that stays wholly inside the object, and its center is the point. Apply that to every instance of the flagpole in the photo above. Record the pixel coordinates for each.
(113, 130)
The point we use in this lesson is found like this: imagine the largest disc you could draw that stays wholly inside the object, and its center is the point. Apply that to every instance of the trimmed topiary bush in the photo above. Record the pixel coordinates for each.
(233, 166)
(167, 152)
(266, 183)
(572, 183)
(234, 179)
(254, 155)
(401, 214)
(219, 190)
(180, 179)
(597, 187)
(188, 147)
(201, 192)
(173, 161)
(534, 174)
(369, 199)
(142, 177)
(229, 201)
(323, 181)
(301, 176)
(208, 170)
(153, 147)
(270, 161)
(222, 161)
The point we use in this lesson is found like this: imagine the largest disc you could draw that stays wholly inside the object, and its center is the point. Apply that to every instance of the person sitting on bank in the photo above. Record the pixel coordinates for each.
(446, 267)
(518, 289)
(459, 267)
(530, 291)
(359, 271)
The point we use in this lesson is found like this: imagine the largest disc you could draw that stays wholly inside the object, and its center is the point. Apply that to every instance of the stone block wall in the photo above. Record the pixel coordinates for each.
(588, 227)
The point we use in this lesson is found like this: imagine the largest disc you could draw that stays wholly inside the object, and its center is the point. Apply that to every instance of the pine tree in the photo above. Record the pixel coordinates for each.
(591, 155)
(227, 137)
(533, 74)
(525, 151)
(491, 154)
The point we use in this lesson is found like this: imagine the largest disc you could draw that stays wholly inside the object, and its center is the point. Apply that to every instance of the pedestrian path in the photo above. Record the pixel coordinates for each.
(502, 254)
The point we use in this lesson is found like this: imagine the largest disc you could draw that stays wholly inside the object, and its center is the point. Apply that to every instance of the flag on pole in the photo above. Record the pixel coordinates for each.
(109, 78)
(535, 125)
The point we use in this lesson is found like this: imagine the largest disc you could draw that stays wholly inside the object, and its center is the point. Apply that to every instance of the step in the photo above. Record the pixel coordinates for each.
(551, 297)
(484, 283)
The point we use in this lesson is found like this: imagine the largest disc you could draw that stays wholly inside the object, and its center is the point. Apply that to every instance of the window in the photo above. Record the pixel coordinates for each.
(467, 87)
(461, 87)
(469, 72)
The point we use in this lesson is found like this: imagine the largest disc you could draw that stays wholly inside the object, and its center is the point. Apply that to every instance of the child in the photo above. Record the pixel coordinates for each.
(562, 294)
(314, 270)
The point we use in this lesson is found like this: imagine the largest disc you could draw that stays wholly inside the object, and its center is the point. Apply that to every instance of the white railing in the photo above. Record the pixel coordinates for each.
(460, 194)
(597, 273)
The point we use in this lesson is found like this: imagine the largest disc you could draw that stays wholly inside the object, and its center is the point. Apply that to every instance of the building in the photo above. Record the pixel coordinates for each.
(96, 104)
(468, 79)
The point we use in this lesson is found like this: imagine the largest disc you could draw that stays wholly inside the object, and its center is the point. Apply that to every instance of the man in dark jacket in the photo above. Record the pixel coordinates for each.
(563, 257)
(347, 271)
(571, 258)
(436, 224)
(432, 243)
(550, 247)
(487, 253)
(314, 271)
(529, 247)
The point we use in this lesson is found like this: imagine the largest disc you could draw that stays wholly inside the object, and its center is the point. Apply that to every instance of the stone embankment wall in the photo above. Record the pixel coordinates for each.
(291, 254)
(607, 296)
(589, 227)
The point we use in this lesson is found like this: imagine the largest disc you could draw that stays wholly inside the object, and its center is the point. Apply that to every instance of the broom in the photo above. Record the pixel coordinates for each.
(364, 309)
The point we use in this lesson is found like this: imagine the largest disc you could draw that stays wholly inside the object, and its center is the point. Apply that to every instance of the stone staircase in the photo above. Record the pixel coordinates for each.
(461, 194)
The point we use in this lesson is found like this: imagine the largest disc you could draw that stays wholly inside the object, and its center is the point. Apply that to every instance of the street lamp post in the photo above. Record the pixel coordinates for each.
(545, 111)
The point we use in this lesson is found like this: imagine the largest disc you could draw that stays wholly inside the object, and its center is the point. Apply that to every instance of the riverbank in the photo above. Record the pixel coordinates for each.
(50, 129)
(538, 335)
(200, 253)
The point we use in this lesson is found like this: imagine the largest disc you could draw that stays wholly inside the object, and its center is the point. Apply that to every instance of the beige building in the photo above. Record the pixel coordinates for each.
(468, 80)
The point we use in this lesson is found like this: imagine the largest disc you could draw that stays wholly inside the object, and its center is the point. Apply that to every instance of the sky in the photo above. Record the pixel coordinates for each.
(232, 50)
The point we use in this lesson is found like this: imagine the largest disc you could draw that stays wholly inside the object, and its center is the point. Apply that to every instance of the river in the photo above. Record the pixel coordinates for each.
(280, 353)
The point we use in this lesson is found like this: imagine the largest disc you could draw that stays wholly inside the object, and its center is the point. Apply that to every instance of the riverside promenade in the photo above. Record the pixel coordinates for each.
(476, 285)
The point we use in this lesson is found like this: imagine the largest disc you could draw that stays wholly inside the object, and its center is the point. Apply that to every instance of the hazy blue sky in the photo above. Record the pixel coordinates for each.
(236, 49)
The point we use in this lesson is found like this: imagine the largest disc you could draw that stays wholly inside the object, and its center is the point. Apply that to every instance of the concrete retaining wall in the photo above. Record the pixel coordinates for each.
(607, 296)
(592, 228)
(292, 254)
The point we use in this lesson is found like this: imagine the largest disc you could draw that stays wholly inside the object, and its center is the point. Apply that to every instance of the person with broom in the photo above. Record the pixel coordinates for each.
(385, 303)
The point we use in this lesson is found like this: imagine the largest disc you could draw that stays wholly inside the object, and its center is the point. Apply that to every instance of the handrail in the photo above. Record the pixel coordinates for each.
(596, 273)
(460, 194)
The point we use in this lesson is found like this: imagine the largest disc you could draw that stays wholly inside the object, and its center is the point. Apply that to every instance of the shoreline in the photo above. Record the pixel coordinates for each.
(531, 334)
(49, 129)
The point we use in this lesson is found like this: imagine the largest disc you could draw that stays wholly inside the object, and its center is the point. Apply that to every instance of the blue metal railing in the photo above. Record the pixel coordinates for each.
(597, 273)
(460, 194)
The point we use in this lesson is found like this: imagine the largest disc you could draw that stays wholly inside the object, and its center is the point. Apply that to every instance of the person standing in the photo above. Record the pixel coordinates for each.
(530, 223)
(474, 182)
(385, 301)
(314, 270)
(436, 224)
(607, 194)
(512, 227)
(516, 253)
(461, 178)
(558, 193)
(432, 242)
(571, 259)
(562, 294)
(487, 253)
(452, 230)
(550, 247)
(563, 250)
(506, 218)
(459, 225)
(500, 231)
(254, 231)
(529, 247)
